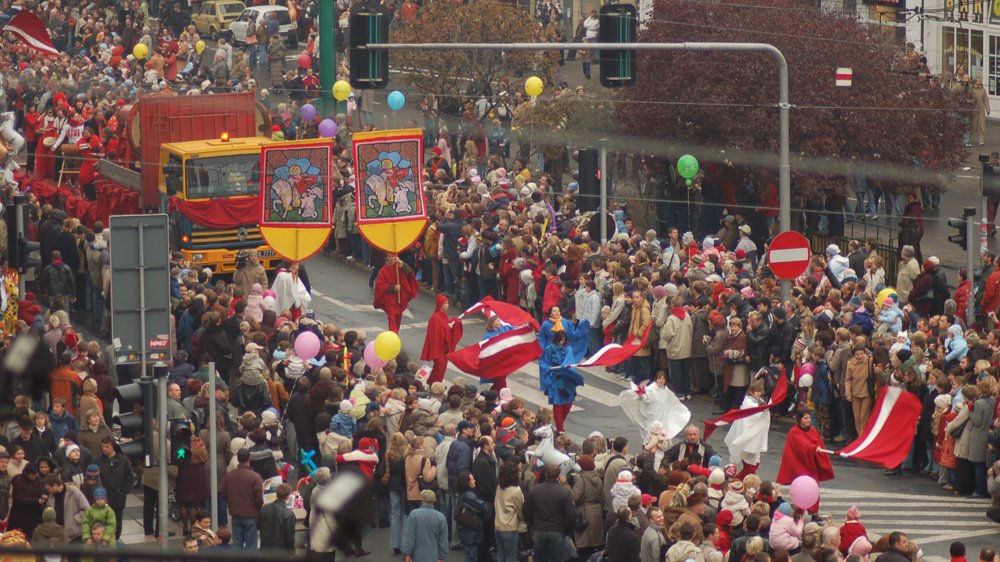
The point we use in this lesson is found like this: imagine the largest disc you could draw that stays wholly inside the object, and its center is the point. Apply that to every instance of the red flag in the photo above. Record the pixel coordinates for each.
(613, 353)
(777, 397)
(889, 434)
(509, 314)
(500, 355)
(31, 30)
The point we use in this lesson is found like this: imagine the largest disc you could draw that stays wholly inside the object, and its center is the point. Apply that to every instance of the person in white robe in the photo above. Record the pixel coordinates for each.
(747, 437)
(658, 413)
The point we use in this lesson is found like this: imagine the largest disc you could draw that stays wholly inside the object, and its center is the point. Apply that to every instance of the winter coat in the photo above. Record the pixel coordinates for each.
(849, 532)
(623, 544)
(979, 428)
(676, 335)
(423, 423)
(587, 491)
(786, 532)
(99, 514)
(962, 441)
(472, 503)
(892, 316)
(685, 550)
(509, 508)
(117, 478)
(344, 425)
(856, 377)
(652, 542)
(75, 504)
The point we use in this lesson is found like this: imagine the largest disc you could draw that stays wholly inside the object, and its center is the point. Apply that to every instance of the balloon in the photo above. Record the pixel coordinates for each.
(305, 61)
(140, 51)
(807, 369)
(341, 90)
(308, 112)
(688, 182)
(328, 128)
(533, 86)
(199, 47)
(388, 345)
(307, 345)
(805, 492)
(884, 294)
(371, 359)
(396, 100)
(687, 166)
(805, 381)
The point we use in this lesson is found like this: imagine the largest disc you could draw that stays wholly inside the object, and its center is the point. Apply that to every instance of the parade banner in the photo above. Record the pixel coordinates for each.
(889, 435)
(391, 213)
(510, 314)
(295, 200)
(777, 397)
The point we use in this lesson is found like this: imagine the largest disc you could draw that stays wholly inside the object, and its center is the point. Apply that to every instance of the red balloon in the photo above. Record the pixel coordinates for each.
(304, 61)
(807, 369)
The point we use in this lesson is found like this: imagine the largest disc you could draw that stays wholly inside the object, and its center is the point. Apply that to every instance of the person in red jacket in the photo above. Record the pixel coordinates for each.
(962, 294)
(851, 529)
(90, 147)
(28, 308)
(442, 336)
(991, 293)
(395, 287)
(32, 123)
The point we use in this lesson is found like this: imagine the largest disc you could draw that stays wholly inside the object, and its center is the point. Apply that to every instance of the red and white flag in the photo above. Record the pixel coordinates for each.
(891, 427)
(510, 314)
(31, 30)
(613, 353)
(778, 396)
(500, 355)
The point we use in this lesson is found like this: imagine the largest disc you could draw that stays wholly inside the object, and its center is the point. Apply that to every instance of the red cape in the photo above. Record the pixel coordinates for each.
(441, 339)
(800, 457)
(387, 278)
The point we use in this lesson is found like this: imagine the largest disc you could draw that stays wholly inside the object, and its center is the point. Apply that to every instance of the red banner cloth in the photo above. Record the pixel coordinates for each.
(500, 355)
(219, 213)
(889, 434)
(777, 397)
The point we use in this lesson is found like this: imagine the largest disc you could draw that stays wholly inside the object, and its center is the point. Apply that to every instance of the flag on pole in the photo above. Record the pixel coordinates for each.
(32, 32)
(500, 355)
(777, 397)
(891, 427)
(613, 353)
(511, 315)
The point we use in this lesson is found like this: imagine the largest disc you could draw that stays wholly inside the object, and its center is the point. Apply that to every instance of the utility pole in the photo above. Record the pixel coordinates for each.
(603, 167)
(327, 55)
(970, 225)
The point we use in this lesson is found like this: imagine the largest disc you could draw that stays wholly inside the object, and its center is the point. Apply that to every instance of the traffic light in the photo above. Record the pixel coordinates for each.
(180, 441)
(29, 254)
(991, 180)
(135, 420)
(619, 24)
(10, 216)
(959, 238)
(369, 68)
(589, 179)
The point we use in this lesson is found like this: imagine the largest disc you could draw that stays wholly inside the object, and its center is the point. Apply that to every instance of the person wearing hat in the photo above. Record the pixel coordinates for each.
(443, 334)
(747, 245)
(99, 512)
(49, 534)
(425, 534)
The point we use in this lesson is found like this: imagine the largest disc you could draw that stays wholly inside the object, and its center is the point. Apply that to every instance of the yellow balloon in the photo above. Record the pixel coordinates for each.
(199, 47)
(342, 91)
(533, 86)
(388, 345)
(140, 51)
(884, 294)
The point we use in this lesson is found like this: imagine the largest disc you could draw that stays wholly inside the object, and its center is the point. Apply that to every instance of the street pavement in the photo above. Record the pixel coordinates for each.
(911, 503)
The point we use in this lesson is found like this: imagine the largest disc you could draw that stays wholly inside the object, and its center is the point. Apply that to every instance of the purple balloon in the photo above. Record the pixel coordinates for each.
(307, 345)
(371, 359)
(328, 128)
(308, 111)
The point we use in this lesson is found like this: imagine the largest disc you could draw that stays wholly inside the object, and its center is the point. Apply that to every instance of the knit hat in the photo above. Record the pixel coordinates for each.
(731, 470)
(785, 509)
(853, 512)
(465, 424)
(268, 417)
(48, 515)
(942, 400)
(736, 486)
(861, 546)
(71, 448)
(100, 494)
(724, 518)
(659, 292)
(345, 406)
(717, 477)
(509, 422)
(368, 445)
(93, 470)
(715, 461)
(625, 476)
(833, 250)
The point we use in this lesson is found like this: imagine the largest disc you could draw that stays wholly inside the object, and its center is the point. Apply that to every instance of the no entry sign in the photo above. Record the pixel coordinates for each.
(788, 256)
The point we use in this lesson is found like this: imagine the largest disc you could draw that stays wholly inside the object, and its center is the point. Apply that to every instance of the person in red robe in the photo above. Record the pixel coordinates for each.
(90, 148)
(803, 454)
(442, 336)
(395, 287)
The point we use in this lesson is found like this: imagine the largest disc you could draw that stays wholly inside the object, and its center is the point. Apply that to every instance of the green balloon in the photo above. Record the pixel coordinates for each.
(688, 182)
(687, 166)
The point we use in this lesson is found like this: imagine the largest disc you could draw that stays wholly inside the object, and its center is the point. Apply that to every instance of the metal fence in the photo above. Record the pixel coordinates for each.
(885, 237)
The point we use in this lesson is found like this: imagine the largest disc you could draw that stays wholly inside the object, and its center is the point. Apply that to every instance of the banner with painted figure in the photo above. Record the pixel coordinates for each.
(297, 185)
(391, 212)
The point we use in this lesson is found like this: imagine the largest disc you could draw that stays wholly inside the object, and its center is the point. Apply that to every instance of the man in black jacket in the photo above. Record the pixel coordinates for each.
(117, 477)
(550, 515)
(484, 470)
(277, 523)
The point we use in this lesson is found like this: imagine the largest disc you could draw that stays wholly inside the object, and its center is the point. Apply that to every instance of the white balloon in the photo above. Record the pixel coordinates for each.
(806, 381)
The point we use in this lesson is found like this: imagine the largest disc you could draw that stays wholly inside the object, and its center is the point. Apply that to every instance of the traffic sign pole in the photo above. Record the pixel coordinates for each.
(163, 507)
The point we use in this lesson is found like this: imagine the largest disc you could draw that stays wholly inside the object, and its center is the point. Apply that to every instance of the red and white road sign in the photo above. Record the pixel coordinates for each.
(844, 76)
(788, 256)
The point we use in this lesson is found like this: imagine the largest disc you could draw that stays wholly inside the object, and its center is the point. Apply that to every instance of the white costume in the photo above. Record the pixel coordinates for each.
(290, 292)
(747, 437)
(646, 404)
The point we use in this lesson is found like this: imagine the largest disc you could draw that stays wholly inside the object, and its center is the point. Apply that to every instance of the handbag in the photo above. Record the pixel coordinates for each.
(385, 475)
(466, 518)
(957, 431)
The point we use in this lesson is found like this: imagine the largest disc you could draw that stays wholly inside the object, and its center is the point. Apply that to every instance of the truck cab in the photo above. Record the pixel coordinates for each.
(219, 177)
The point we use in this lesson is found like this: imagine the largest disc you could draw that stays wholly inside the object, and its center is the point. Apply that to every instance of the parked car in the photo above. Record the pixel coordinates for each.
(214, 16)
(237, 33)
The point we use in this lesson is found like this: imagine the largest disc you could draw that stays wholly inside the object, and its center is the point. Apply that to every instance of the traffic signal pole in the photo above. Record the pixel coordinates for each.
(602, 166)
(970, 213)
(327, 58)
(213, 445)
(163, 504)
(784, 106)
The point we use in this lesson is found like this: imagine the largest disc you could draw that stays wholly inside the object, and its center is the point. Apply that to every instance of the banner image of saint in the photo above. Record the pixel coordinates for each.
(387, 176)
(296, 187)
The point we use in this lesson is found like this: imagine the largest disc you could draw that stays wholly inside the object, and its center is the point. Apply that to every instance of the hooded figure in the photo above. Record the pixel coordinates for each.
(255, 304)
(443, 334)
(956, 345)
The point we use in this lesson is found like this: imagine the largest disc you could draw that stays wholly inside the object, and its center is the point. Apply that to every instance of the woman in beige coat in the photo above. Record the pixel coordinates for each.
(508, 506)
(587, 491)
(856, 376)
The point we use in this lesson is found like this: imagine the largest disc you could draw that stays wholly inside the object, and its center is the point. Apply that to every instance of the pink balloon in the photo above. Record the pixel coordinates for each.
(807, 369)
(805, 492)
(371, 359)
(307, 345)
(304, 61)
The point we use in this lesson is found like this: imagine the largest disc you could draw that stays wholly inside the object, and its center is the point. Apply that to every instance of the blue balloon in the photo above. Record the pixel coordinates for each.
(308, 111)
(396, 100)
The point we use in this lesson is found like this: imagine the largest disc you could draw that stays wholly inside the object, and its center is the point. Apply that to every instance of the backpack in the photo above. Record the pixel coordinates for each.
(421, 484)
(466, 517)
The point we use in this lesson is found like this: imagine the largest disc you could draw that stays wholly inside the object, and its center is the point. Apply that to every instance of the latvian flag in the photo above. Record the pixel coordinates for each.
(613, 353)
(777, 397)
(32, 32)
(510, 315)
(500, 355)
(889, 434)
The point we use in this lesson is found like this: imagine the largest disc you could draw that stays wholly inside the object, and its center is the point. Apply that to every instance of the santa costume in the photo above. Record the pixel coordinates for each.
(803, 454)
(442, 337)
(395, 287)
